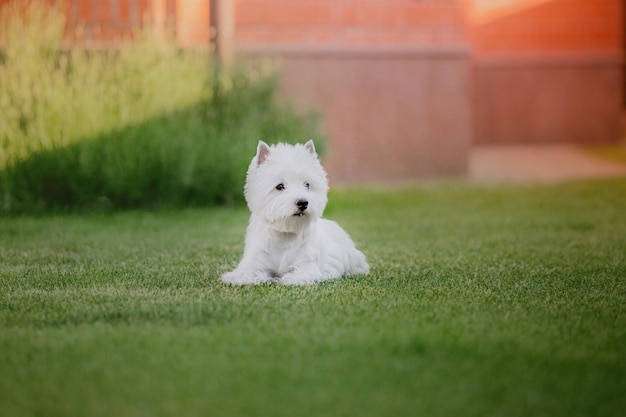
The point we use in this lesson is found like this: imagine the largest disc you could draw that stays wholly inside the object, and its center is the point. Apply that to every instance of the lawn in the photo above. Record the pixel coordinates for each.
(482, 301)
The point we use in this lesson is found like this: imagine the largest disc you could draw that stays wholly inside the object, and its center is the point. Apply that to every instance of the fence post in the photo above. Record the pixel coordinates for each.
(223, 30)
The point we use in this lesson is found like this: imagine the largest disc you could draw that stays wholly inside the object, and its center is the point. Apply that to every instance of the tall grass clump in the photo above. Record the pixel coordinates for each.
(146, 124)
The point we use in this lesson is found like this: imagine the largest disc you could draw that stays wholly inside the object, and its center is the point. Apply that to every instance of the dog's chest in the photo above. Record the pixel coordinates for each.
(285, 256)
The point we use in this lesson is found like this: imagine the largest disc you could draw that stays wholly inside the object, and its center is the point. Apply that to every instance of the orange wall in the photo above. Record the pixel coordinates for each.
(193, 22)
(360, 22)
(545, 26)
(491, 26)
(104, 21)
(547, 70)
(109, 22)
(529, 70)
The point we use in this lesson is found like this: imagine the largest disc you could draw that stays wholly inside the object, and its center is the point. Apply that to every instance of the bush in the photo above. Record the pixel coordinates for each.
(145, 125)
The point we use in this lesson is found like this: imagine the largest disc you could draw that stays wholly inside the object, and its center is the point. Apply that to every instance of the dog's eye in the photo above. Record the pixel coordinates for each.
(280, 187)
(307, 185)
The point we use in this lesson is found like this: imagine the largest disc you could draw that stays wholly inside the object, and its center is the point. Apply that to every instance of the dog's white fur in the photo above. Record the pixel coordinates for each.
(287, 241)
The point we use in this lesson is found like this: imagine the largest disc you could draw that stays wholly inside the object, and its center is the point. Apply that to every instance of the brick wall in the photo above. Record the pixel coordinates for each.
(380, 72)
(107, 23)
(514, 27)
(104, 21)
(193, 22)
(390, 78)
(546, 70)
(405, 86)
(494, 27)
(348, 22)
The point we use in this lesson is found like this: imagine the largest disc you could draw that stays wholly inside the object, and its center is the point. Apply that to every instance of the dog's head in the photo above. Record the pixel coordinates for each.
(286, 185)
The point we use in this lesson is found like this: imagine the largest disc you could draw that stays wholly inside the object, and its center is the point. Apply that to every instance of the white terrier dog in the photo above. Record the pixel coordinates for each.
(286, 240)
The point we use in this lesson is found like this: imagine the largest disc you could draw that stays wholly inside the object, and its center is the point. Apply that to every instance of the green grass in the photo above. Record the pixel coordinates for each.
(482, 301)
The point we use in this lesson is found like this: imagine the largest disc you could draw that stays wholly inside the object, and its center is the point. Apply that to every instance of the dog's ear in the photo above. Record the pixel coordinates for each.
(262, 152)
(310, 147)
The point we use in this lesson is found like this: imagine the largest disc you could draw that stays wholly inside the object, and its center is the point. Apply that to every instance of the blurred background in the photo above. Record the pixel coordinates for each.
(398, 89)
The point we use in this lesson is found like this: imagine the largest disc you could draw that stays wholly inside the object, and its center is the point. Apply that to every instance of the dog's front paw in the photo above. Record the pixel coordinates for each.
(246, 278)
(293, 278)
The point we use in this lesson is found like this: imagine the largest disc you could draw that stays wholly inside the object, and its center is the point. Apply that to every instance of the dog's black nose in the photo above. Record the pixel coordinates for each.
(302, 204)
